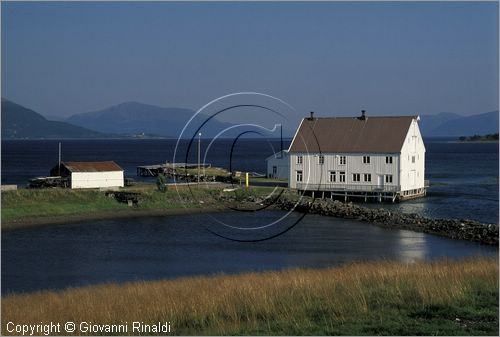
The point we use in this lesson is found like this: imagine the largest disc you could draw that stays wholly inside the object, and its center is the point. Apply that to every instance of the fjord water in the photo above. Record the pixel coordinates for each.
(463, 176)
(464, 181)
(148, 248)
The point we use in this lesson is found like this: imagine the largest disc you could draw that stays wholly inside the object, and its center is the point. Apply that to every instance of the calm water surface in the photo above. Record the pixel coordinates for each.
(464, 176)
(464, 181)
(55, 257)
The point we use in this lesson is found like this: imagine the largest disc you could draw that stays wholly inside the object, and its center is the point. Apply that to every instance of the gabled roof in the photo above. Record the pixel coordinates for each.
(92, 166)
(279, 154)
(352, 134)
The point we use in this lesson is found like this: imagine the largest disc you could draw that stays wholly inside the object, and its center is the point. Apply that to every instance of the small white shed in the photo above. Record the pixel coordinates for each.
(91, 174)
(278, 165)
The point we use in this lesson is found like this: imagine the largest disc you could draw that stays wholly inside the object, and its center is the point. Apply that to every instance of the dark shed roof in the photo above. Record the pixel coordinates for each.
(352, 134)
(91, 166)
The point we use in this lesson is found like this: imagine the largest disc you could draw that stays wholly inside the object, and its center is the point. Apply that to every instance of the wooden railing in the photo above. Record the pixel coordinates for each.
(347, 187)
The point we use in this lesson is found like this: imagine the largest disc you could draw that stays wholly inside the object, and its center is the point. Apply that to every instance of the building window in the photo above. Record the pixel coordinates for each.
(367, 177)
(388, 160)
(413, 159)
(366, 159)
(388, 178)
(333, 177)
(342, 176)
(299, 176)
(299, 159)
(321, 159)
(342, 160)
(275, 170)
(356, 177)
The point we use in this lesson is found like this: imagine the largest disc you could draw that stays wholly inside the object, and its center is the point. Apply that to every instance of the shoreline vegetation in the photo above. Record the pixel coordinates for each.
(32, 207)
(36, 207)
(479, 138)
(377, 298)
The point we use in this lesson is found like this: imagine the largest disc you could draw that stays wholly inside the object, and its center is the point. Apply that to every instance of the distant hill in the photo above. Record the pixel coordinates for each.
(430, 122)
(138, 120)
(133, 118)
(453, 125)
(55, 118)
(19, 122)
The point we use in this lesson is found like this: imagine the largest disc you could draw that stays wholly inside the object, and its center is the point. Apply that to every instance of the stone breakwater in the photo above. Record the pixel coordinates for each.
(452, 228)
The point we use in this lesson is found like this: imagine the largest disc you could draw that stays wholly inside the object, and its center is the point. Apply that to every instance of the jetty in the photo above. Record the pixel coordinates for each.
(461, 229)
(167, 168)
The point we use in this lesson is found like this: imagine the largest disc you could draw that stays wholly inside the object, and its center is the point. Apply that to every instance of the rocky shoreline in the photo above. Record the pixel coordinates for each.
(453, 228)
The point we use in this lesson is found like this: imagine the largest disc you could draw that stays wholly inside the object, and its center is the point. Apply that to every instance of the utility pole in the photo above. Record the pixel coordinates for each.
(59, 166)
(199, 148)
(281, 140)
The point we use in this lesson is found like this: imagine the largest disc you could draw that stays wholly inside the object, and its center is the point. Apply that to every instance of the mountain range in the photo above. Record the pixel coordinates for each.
(125, 120)
(133, 119)
(19, 122)
(447, 124)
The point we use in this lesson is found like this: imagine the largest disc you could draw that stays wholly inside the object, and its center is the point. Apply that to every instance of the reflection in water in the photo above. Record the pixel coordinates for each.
(166, 247)
(412, 246)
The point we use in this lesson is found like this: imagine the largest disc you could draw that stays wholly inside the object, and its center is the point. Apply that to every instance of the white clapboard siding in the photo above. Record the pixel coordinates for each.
(315, 173)
(412, 173)
(281, 162)
(407, 168)
(96, 179)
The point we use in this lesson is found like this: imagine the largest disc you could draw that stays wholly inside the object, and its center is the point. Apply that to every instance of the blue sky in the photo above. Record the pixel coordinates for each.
(333, 58)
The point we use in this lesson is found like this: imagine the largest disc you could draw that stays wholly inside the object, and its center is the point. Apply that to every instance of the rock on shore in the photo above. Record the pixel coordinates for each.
(452, 228)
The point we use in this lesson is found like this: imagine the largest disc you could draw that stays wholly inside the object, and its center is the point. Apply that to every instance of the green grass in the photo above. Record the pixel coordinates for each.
(267, 180)
(39, 203)
(208, 171)
(26, 203)
(377, 298)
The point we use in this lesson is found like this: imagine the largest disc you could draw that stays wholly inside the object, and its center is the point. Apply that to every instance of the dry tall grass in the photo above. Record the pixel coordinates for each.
(299, 301)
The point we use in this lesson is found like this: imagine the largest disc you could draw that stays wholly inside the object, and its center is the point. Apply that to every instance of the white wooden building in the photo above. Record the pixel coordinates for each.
(91, 174)
(278, 165)
(381, 157)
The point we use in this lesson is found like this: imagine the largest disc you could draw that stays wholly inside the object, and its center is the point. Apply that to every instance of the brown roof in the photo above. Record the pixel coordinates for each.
(92, 166)
(352, 134)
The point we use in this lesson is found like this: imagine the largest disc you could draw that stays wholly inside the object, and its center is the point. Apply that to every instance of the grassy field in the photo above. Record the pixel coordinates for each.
(39, 203)
(208, 171)
(383, 298)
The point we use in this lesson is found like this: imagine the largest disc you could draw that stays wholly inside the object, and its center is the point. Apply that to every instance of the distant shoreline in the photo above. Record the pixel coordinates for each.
(473, 141)
(490, 138)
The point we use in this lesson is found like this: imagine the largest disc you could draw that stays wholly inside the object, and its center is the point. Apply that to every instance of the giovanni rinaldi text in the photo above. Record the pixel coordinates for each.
(87, 327)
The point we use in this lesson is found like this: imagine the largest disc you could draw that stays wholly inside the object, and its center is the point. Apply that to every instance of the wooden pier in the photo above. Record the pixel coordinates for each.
(380, 194)
(167, 168)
